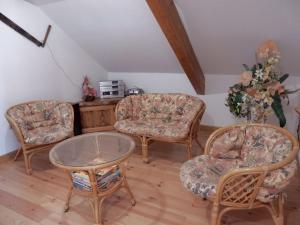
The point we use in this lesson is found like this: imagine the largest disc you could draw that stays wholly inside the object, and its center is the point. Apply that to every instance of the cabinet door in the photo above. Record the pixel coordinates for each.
(97, 118)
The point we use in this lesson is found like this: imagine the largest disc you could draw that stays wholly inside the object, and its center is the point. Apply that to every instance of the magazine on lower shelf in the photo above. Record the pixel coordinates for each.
(104, 178)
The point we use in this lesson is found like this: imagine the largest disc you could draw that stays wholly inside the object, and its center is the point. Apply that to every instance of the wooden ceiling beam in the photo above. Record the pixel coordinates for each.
(170, 22)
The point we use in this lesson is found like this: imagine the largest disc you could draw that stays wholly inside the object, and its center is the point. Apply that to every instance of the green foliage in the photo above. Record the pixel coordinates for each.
(246, 67)
(278, 110)
(283, 78)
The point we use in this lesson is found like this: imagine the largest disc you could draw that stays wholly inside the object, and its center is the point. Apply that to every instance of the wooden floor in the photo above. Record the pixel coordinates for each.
(161, 199)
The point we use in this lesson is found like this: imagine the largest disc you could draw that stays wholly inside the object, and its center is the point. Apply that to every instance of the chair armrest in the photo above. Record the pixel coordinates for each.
(197, 118)
(18, 125)
(124, 109)
(66, 115)
(240, 186)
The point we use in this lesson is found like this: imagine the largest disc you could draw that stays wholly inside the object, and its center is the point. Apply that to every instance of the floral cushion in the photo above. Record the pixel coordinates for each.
(43, 122)
(229, 145)
(48, 134)
(260, 146)
(264, 145)
(154, 127)
(202, 174)
(168, 115)
(124, 110)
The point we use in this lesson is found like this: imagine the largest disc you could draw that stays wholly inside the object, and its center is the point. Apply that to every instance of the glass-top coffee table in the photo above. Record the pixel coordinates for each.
(96, 164)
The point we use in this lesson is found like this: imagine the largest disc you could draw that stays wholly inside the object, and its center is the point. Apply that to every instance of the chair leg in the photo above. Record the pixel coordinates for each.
(215, 220)
(199, 143)
(189, 149)
(278, 216)
(18, 153)
(298, 131)
(27, 160)
(145, 149)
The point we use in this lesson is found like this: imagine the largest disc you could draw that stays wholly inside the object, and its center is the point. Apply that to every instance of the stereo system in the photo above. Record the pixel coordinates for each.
(112, 89)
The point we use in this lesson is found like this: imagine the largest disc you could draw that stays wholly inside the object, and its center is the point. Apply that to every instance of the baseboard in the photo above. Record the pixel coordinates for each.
(208, 128)
(9, 156)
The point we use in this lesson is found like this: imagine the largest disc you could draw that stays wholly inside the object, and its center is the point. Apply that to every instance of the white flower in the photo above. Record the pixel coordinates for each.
(259, 73)
(244, 98)
(268, 100)
(254, 81)
(271, 60)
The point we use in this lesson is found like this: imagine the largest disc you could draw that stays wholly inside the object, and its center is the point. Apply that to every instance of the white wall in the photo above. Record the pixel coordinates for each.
(216, 114)
(28, 72)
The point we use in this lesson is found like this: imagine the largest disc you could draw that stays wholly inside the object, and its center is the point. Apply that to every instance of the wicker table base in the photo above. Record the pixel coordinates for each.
(96, 165)
(97, 196)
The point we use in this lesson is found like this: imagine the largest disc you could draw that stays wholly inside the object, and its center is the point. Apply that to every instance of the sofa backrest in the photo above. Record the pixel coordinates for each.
(165, 106)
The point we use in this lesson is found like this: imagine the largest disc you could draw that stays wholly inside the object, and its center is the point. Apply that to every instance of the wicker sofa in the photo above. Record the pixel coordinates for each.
(244, 167)
(39, 125)
(164, 117)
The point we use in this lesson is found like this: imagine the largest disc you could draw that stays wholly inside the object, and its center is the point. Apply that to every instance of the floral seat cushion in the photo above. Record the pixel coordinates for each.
(201, 174)
(43, 122)
(261, 146)
(154, 127)
(47, 135)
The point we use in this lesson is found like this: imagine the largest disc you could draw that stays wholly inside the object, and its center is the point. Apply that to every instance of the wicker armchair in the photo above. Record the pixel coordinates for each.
(244, 167)
(163, 117)
(39, 125)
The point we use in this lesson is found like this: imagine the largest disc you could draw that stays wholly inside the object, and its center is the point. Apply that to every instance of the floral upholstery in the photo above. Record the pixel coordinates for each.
(124, 109)
(260, 146)
(201, 174)
(229, 145)
(163, 115)
(43, 122)
(154, 127)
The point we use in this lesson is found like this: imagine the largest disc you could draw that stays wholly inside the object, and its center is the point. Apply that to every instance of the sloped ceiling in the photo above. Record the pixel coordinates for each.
(123, 36)
(42, 2)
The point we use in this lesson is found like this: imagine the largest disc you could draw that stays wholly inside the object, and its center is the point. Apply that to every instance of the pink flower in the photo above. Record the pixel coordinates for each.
(251, 91)
(275, 86)
(258, 96)
(266, 49)
(246, 78)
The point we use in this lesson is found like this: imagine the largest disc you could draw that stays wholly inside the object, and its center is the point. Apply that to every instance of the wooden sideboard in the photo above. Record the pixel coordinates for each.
(98, 115)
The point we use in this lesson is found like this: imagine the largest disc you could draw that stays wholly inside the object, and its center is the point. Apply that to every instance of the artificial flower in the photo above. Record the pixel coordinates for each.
(266, 49)
(251, 91)
(259, 73)
(246, 78)
(259, 92)
(258, 96)
(275, 86)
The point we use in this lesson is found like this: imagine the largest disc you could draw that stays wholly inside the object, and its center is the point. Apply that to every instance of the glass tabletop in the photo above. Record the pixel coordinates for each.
(91, 150)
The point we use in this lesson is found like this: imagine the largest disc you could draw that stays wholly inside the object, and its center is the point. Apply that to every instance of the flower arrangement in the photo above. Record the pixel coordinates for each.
(89, 93)
(260, 90)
